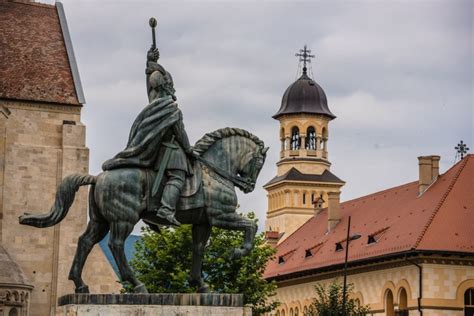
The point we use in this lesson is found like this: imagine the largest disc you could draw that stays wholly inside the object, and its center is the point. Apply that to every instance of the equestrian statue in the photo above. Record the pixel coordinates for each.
(163, 180)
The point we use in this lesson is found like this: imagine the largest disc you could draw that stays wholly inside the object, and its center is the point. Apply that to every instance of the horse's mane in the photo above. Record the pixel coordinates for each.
(209, 139)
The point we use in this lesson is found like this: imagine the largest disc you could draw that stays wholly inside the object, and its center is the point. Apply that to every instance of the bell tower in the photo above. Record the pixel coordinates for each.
(304, 181)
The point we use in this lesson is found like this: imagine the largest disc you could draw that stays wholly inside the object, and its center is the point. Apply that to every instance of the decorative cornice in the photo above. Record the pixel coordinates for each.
(290, 210)
(15, 286)
(288, 160)
(40, 106)
(304, 184)
(375, 264)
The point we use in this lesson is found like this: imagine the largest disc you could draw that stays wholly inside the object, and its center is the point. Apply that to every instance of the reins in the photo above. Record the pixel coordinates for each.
(238, 181)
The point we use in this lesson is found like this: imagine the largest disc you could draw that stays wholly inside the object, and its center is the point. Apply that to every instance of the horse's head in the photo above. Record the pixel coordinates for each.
(234, 154)
(251, 166)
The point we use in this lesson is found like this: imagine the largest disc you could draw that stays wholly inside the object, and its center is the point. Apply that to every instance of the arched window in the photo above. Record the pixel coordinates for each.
(291, 312)
(311, 138)
(297, 311)
(389, 309)
(305, 310)
(283, 312)
(402, 303)
(295, 138)
(469, 301)
(278, 313)
(304, 198)
(13, 312)
(324, 138)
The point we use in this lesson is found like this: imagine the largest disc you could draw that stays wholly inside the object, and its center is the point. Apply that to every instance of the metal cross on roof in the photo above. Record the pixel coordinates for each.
(305, 57)
(461, 149)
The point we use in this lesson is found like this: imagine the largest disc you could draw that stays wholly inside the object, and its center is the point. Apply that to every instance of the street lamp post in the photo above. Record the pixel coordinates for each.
(344, 289)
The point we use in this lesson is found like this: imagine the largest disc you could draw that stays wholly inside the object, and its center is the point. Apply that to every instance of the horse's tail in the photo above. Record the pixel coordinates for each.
(64, 198)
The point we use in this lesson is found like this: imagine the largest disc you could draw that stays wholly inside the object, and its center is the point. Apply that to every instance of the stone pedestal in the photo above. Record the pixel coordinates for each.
(152, 304)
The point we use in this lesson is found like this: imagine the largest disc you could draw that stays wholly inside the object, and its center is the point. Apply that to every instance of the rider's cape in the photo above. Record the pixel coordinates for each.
(153, 126)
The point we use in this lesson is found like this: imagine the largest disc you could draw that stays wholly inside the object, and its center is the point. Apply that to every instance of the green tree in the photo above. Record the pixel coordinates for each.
(328, 302)
(163, 261)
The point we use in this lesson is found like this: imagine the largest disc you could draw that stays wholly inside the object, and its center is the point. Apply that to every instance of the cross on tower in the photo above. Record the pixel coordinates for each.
(461, 149)
(305, 57)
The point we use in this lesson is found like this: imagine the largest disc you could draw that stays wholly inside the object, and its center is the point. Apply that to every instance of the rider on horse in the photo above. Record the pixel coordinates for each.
(158, 139)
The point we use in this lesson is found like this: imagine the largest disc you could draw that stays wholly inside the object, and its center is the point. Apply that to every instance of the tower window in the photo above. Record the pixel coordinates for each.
(324, 139)
(310, 138)
(295, 139)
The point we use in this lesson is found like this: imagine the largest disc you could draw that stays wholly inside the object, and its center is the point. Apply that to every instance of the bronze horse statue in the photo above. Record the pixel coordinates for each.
(119, 198)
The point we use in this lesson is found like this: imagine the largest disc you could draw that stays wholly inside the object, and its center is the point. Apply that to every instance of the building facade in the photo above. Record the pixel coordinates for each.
(42, 140)
(415, 249)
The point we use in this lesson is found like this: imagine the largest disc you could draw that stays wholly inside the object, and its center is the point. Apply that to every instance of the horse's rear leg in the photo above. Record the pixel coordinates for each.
(95, 232)
(119, 231)
(201, 235)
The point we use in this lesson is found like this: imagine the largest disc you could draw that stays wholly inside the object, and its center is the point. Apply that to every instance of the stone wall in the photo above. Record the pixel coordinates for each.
(40, 144)
(169, 304)
(444, 285)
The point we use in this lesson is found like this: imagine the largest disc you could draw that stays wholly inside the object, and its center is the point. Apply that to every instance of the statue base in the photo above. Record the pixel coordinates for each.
(152, 304)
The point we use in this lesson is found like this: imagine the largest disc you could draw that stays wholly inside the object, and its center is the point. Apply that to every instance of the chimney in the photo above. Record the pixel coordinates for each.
(272, 237)
(428, 170)
(334, 209)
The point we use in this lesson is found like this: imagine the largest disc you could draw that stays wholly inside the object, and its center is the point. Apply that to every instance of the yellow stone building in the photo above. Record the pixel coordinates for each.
(303, 171)
(414, 254)
(42, 140)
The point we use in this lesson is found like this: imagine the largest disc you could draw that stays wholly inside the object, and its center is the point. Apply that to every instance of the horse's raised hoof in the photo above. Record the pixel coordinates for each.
(140, 289)
(82, 289)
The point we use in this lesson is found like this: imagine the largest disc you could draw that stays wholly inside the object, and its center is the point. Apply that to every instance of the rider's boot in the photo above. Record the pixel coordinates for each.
(170, 198)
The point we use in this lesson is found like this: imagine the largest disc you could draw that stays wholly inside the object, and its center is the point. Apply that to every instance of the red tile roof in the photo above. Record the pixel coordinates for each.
(34, 63)
(441, 219)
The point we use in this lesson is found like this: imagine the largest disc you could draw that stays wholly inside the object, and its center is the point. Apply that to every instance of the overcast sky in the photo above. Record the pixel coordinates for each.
(398, 75)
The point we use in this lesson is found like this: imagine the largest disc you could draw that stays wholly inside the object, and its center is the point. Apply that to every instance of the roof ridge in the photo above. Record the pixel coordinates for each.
(289, 252)
(319, 244)
(36, 4)
(443, 198)
(380, 192)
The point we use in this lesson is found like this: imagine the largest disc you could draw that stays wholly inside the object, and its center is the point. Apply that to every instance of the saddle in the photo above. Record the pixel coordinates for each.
(192, 195)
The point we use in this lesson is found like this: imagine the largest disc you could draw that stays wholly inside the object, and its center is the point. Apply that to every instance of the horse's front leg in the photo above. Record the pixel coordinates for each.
(201, 235)
(235, 221)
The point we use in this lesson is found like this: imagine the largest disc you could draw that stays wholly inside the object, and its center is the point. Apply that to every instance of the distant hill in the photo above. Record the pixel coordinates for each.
(129, 249)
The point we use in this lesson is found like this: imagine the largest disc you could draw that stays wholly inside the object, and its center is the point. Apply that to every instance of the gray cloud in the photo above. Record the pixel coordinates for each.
(397, 74)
